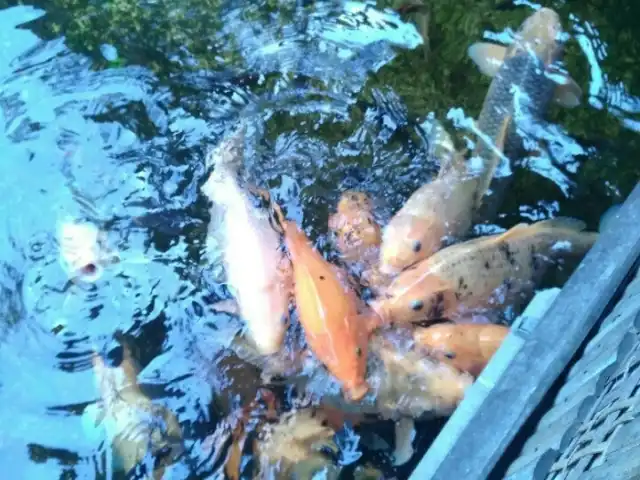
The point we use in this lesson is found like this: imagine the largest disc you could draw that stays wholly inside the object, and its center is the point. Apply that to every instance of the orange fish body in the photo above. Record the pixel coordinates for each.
(483, 273)
(465, 346)
(329, 314)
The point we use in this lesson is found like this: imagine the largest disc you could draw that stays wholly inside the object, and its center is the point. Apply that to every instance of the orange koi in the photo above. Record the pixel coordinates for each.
(328, 311)
(481, 273)
(465, 346)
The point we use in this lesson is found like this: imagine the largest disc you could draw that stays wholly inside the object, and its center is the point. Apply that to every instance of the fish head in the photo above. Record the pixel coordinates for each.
(438, 342)
(84, 253)
(541, 33)
(357, 232)
(354, 385)
(413, 297)
(406, 240)
(354, 200)
(358, 238)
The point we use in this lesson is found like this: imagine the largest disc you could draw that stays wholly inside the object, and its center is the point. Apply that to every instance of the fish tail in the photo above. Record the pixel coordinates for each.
(229, 153)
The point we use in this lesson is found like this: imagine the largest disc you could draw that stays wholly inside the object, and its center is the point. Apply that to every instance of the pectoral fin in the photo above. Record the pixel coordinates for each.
(567, 92)
(487, 56)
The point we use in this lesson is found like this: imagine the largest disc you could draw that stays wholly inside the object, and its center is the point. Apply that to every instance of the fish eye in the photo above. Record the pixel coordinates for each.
(417, 305)
(450, 355)
(417, 246)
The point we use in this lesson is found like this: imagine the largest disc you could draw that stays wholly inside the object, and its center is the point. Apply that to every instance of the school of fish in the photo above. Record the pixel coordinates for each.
(414, 346)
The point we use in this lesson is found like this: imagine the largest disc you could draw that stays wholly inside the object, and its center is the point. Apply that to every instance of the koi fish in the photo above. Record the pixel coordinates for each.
(525, 71)
(358, 236)
(356, 230)
(481, 273)
(467, 347)
(293, 447)
(83, 251)
(404, 383)
(435, 212)
(328, 311)
(257, 269)
(134, 424)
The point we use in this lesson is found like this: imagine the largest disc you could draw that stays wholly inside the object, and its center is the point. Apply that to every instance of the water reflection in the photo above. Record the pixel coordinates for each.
(86, 139)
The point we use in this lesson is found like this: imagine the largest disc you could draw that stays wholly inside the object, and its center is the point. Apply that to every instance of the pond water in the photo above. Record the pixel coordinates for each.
(107, 111)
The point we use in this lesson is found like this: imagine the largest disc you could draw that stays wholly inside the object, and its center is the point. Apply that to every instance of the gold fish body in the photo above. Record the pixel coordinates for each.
(477, 273)
(328, 312)
(466, 346)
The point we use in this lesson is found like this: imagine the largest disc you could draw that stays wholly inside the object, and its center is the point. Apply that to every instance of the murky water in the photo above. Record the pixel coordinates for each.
(106, 113)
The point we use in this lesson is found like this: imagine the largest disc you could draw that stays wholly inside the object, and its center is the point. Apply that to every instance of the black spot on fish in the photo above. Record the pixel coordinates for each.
(358, 351)
(508, 254)
(417, 246)
(534, 259)
(487, 265)
(417, 305)
(369, 221)
(461, 284)
(321, 277)
(354, 197)
(450, 355)
(437, 306)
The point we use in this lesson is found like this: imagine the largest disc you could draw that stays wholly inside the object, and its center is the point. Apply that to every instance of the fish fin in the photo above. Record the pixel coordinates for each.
(439, 142)
(487, 56)
(229, 306)
(467, 244)
(514, 231)
(490, 165)
(371, 321)
(566, 223)
(567, 92)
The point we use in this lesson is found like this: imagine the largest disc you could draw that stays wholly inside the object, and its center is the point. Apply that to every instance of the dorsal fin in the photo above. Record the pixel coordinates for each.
(566, 223)
(514, 231)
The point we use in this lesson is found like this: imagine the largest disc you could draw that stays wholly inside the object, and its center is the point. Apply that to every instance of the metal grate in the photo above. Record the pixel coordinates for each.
(616, 407)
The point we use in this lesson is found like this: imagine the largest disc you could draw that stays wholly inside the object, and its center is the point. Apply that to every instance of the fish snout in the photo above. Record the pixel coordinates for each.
(356, 391)
(543, 27)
